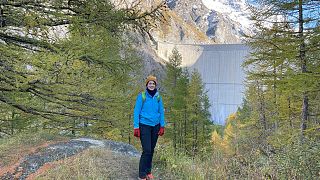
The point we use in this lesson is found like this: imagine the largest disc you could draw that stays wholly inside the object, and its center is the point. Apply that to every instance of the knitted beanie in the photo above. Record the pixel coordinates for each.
(151, 78)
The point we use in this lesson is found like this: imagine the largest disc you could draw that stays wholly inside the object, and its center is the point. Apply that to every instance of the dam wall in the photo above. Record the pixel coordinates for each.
(221, 72)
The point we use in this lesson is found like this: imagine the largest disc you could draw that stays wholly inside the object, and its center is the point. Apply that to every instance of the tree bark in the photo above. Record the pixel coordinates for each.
(302, 56)
(289, 113)
(185, 128)
(262, 113)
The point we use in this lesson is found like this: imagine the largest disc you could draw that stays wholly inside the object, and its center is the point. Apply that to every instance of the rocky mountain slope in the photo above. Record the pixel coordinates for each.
(197, 22)
(205, 22)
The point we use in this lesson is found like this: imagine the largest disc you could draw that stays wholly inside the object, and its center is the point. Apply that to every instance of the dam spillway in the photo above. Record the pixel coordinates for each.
(220, 69)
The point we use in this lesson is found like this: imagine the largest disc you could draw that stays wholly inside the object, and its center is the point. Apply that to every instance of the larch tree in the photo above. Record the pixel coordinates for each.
(282, 58)
(63, 62)
(173, 74)
(198, 111)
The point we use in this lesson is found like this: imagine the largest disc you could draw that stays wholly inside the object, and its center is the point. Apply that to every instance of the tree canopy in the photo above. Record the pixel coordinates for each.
(65, 61)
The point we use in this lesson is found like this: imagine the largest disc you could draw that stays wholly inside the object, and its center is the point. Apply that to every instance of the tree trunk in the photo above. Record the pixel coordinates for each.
(196, 137)
(129, 128)
(196, 132)
(275, 103)
(262, 113)
(289, 113)
(2, 17)
(181, 133)
(73, 132)
(193, 138)
(302, 56)
(12, 122)
(85, 125)
(185, 128)
(174, 136)
(203, 134)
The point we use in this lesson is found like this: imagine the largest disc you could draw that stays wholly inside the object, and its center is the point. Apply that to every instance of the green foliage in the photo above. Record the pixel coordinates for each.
(68, 65)
(299, 161)
(198, 115)
(275, 132)
(85, 83)
(187, 107)
(178, 165)
(282, 66)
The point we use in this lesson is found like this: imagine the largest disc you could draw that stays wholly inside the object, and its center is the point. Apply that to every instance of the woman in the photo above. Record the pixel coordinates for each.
(148, 124)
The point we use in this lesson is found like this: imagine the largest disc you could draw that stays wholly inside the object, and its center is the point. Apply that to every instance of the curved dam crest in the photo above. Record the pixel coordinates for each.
(220, 69)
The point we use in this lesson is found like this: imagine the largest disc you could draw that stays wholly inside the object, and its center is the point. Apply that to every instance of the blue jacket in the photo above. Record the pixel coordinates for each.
(150, 112)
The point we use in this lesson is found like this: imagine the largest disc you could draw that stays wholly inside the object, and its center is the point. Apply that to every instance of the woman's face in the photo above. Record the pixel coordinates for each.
(151, 85)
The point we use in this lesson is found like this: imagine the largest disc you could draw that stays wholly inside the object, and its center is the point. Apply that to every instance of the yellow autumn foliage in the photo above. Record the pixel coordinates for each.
(226, 143)
(231, 118)
(216, 138)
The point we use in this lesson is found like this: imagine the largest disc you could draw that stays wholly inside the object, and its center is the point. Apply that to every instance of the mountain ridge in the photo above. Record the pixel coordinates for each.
(205, 22)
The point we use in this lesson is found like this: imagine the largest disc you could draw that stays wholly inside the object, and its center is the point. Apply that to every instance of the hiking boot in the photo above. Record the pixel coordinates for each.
(150, 176)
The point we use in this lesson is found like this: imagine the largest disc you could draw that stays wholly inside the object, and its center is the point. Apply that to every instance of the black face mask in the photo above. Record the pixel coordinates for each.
(153, 92)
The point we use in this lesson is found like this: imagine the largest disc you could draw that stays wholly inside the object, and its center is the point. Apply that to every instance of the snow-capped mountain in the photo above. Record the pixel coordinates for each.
(233, 11)
(193, 22)
(206, 21)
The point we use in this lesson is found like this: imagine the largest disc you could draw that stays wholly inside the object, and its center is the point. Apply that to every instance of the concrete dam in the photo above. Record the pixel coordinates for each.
(220, 69)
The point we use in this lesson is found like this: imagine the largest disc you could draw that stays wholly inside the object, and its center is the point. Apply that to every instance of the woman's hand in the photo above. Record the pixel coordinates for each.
(136, 132)
(161, 131)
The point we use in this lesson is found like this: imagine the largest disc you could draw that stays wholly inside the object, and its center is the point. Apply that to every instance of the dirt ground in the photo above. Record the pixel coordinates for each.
(119, 160)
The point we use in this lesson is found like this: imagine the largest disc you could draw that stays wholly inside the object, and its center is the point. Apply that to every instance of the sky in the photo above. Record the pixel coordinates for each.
(237, 11)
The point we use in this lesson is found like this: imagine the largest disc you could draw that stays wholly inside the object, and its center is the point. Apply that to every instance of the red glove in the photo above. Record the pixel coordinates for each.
(136, 132)
(161, 131)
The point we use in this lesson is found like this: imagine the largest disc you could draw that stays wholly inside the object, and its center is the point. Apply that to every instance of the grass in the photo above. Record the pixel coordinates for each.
(183, 167)
(94, 163)
(301, 162)
(17, 146)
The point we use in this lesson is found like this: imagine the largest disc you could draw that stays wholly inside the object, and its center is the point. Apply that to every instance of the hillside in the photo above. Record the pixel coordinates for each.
(64, 158)
(66, 104)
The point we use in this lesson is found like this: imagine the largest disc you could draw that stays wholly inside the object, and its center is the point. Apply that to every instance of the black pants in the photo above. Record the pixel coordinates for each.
(148, 138)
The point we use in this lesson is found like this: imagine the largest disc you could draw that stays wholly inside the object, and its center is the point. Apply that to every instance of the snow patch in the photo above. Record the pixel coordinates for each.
(235, 10)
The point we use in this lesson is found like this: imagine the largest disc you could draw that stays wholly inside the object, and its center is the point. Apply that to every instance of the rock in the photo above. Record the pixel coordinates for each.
(32, 162)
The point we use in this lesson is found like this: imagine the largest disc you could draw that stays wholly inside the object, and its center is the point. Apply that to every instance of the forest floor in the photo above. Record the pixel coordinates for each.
(82, 158)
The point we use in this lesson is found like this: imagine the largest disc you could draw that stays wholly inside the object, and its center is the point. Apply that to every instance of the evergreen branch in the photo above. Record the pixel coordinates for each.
(42, 113)
(19, 40)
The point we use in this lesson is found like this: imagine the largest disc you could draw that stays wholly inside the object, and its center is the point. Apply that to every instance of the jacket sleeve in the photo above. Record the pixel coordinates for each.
(162, 119)
(136, 111)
